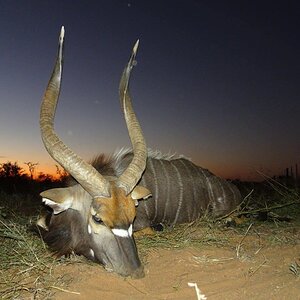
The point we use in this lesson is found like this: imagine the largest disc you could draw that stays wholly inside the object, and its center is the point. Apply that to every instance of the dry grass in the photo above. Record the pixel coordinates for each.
(205, 233)
(26, 266)
(28, 271)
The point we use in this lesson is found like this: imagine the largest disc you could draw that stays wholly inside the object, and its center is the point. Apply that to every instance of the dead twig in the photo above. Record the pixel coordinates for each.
(255, 270)
(236, 209)
(63, 290)
(241, 242)
(268, 209)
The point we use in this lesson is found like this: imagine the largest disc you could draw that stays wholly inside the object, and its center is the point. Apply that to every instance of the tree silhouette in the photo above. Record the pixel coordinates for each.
(10, 169)
(12, 178)
(62, 173)
(31, 167)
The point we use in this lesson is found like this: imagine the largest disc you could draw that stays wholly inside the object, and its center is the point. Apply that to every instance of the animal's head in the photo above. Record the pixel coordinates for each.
(109, 210)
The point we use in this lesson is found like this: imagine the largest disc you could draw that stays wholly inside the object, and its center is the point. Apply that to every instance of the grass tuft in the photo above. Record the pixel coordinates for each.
(27, 268)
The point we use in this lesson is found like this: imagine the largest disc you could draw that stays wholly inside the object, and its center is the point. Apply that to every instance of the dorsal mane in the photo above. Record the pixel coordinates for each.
(104, 164)
(156, 154)
(107, 164)
(114, 164)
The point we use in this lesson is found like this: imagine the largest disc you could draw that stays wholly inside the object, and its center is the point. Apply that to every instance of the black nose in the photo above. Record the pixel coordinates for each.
(138, 273)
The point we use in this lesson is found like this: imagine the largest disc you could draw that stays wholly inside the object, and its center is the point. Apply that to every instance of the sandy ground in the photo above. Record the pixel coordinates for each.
(248, 269)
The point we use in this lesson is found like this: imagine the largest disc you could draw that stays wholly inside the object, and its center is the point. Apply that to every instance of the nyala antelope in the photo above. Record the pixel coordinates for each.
(117, 195)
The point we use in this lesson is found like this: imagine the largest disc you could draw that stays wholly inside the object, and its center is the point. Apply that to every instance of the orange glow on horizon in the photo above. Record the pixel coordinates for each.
(230, 174)
(42, 169)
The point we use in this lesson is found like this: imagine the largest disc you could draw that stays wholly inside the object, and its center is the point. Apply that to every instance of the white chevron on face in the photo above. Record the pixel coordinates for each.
(123, 232)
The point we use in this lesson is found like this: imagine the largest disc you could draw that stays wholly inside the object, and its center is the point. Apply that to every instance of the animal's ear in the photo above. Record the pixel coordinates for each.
(59, 199)
(140, 192)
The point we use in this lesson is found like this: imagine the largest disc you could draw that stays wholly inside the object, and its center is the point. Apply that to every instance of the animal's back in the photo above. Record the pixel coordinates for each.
(181, 192)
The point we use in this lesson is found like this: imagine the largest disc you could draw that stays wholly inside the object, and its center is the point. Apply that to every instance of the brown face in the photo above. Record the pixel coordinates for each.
(110, 228)
(116, 212)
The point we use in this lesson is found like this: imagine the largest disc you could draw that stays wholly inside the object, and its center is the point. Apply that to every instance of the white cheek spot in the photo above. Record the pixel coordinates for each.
(220, 199)
(42, 223)
(92, 252)
(89, 230)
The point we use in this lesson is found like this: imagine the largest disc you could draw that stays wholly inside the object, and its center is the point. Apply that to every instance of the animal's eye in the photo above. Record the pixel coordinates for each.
(97, 220)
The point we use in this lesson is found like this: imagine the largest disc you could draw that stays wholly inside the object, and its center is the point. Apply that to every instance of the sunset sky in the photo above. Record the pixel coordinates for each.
(217, 81)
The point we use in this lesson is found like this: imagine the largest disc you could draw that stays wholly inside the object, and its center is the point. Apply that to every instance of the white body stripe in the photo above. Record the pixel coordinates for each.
(191, 178)
(143, 183)
(155, 184)
(180, 194)
(168, 190)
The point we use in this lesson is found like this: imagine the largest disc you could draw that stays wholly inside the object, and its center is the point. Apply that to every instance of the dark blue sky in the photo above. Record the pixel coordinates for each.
(217, 81)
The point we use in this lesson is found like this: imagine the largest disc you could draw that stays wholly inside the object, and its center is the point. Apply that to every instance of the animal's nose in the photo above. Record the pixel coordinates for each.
(138, 273)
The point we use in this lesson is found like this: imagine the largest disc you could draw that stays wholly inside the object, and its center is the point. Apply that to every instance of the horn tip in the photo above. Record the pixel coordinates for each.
(62, 34)
(135, 47)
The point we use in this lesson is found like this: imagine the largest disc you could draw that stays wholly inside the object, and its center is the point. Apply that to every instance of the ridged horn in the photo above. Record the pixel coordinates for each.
(134, 171)
(86, 175)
